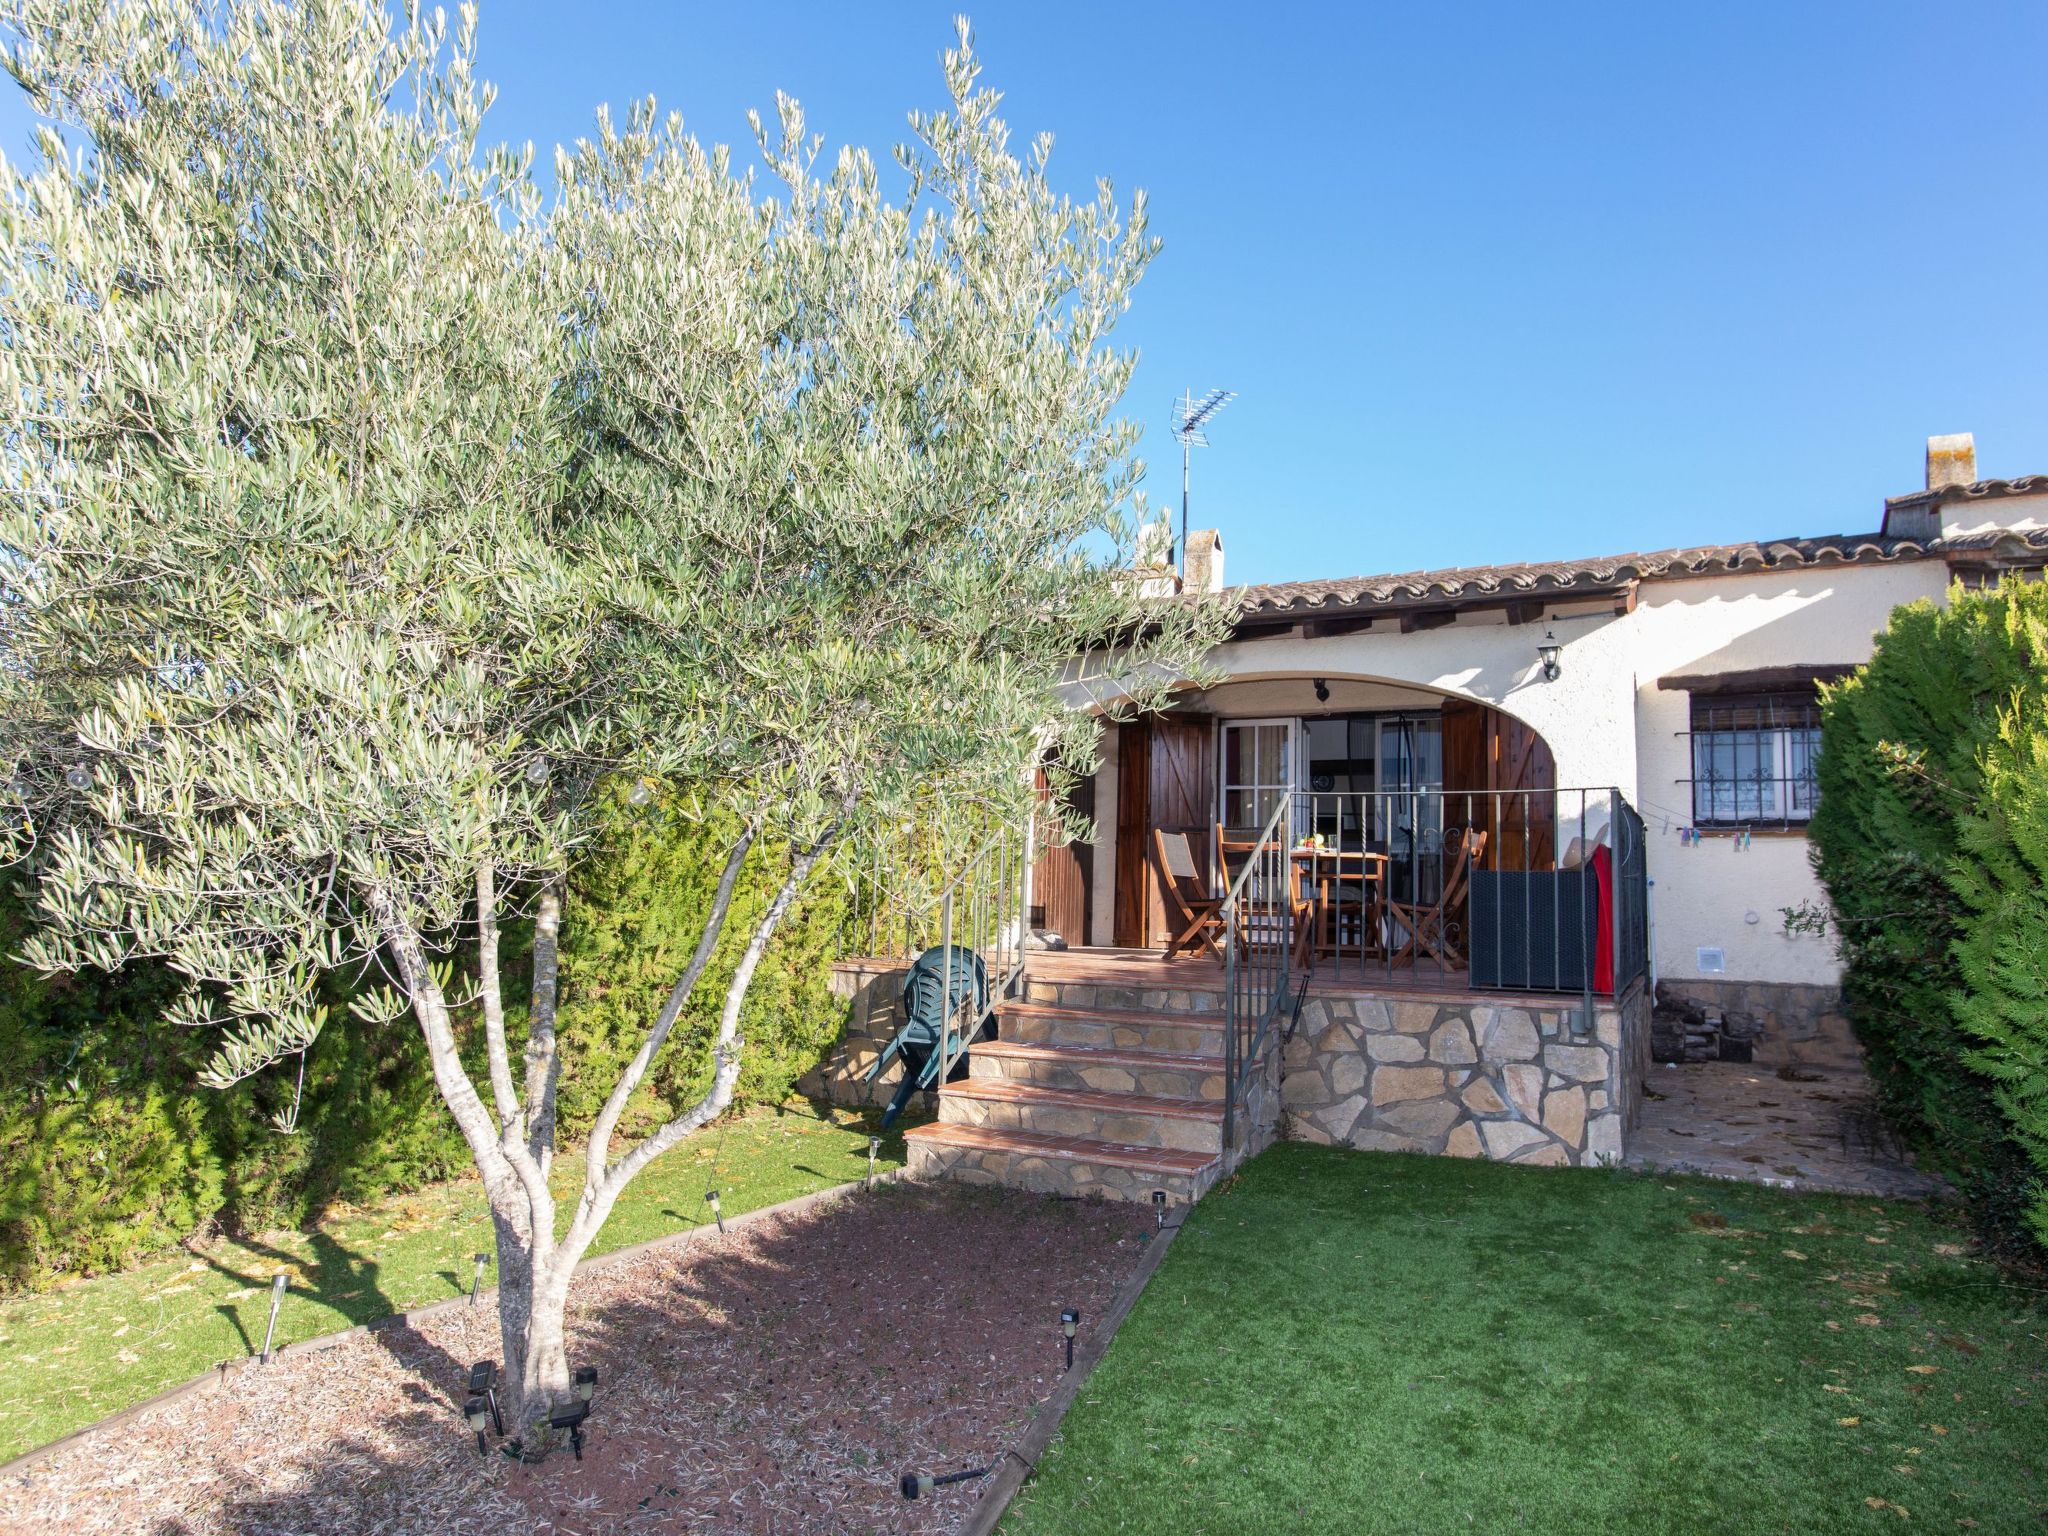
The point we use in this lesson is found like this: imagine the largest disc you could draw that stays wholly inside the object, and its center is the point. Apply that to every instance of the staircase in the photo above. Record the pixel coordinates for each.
(1088, 1090)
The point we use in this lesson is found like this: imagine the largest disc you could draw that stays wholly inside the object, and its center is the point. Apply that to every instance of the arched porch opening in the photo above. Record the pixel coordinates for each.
(1364, 762)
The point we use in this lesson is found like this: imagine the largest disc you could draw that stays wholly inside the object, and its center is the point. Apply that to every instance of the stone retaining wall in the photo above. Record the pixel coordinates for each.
(1803, 1024)
(873, 993)
(1521, 1081)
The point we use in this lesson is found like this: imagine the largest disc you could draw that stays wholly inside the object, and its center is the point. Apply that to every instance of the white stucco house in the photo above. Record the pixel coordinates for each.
(1685, 679)
(1414, 868)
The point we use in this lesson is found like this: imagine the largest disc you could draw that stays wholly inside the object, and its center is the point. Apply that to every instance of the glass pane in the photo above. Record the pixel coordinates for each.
(1802, 752)
(1735, 775)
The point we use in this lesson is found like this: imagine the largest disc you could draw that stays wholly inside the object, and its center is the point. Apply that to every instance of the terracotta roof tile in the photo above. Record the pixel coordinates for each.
(1978, 490)
(1593, 577)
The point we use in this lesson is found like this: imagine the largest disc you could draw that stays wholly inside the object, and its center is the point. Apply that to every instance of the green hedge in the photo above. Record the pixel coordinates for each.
(629, 927)
(110, 1151)
(1927, 823)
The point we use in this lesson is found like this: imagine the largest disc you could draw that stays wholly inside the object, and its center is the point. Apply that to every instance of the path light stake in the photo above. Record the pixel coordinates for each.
(270, 1329)
(1070, 1324)
(481, 1415)
(586, 1383)
(483, 1384)
(916, 1485)
(712, 1196)
(477, 1284)
(570, 1416)
(874, 1146)
(1159, 1205)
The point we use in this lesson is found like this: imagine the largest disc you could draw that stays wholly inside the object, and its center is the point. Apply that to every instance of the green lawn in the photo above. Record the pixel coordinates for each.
(1372, 1342)
(80, 1353)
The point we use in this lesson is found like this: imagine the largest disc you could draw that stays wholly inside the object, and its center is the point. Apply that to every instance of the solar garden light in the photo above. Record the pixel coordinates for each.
(716, 1215)
(874, 1146)
(277, 1286)
(1070, 1324)
(483, 1384)
(482, 1415)
(477, 1283)
(570, 1416)
(915, 1485)
(1159, 1205)
(586, 1383)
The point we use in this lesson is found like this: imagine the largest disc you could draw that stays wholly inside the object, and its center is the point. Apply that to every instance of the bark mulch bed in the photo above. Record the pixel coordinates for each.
(776, 1380)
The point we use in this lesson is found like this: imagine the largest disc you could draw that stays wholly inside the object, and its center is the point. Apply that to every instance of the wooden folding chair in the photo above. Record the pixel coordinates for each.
(1436, 929)
(1232, 845)
(1292, 909)
(1201, 915)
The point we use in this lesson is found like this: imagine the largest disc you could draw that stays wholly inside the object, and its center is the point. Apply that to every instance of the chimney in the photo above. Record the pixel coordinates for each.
(1204, 561)
(1951, 461)
(1153, 561)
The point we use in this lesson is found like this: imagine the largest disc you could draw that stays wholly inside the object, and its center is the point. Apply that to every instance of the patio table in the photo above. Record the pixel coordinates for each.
(1328, 870)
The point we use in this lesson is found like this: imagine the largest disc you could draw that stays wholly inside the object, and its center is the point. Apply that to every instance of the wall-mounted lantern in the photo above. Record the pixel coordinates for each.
(1548, 651)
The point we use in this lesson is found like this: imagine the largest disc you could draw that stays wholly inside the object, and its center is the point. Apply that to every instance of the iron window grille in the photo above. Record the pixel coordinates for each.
(1754, 758)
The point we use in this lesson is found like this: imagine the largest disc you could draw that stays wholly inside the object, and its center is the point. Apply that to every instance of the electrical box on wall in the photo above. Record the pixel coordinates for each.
(1712, 962)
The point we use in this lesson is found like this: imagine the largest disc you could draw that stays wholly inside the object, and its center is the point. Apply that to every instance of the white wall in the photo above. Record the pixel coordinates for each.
(1102, 878)
(1585, 715)
(1959, 517)
(1716, 893)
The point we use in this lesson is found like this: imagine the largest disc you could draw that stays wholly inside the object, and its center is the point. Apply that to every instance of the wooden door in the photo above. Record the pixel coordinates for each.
(1465, 765)
(1521, 761)
(1060, 879)
(1486, 750)
(1165, 782)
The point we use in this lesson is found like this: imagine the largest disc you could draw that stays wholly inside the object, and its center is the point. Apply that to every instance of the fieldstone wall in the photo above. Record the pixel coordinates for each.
(1798, 1023)
(1519, 1081)
(873, 993)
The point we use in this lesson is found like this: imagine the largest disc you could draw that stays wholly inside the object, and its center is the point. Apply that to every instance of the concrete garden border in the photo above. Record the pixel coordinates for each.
(221, 1375)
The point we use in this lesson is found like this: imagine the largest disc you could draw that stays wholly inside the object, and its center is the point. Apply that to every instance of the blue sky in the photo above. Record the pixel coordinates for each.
(1492, 282)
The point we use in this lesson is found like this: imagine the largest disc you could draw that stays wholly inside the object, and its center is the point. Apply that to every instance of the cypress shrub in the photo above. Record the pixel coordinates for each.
(1903, 767)
(629, 926)
(2002, 880)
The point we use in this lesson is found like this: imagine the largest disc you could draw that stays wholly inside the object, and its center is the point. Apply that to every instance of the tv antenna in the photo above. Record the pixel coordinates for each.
(1189, 417)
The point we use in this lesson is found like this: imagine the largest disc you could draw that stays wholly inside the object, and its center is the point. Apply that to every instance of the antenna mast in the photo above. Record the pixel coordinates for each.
(1189, 417)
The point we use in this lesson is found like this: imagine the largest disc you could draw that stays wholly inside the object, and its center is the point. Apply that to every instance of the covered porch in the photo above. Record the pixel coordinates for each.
(1423, 845)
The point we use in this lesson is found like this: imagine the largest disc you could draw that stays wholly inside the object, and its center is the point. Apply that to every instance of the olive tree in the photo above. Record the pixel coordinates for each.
(364, 512)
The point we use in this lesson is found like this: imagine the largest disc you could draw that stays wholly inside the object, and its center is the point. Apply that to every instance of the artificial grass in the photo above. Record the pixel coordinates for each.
(1378, 1342)
(79, 1353)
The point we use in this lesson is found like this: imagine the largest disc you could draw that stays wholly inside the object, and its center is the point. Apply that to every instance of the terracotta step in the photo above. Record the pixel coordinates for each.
(1112, 1028)
(1129, 1119)
(1059, 1165)
(1170, 1074)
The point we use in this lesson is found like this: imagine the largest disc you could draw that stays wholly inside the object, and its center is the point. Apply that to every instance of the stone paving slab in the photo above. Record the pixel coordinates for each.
(1793, 1127)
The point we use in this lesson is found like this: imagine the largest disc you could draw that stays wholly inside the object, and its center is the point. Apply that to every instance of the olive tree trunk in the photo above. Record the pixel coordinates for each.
(514, 1148)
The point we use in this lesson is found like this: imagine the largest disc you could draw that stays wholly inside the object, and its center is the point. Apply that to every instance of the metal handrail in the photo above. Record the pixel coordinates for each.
(987, 904)
(1258, 946)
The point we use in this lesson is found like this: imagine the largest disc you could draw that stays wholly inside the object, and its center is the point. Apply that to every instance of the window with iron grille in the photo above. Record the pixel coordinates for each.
(1753, 759)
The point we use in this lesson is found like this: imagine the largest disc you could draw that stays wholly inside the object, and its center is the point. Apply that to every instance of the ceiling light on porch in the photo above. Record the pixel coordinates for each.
(1322, 690)
(1548, 651)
